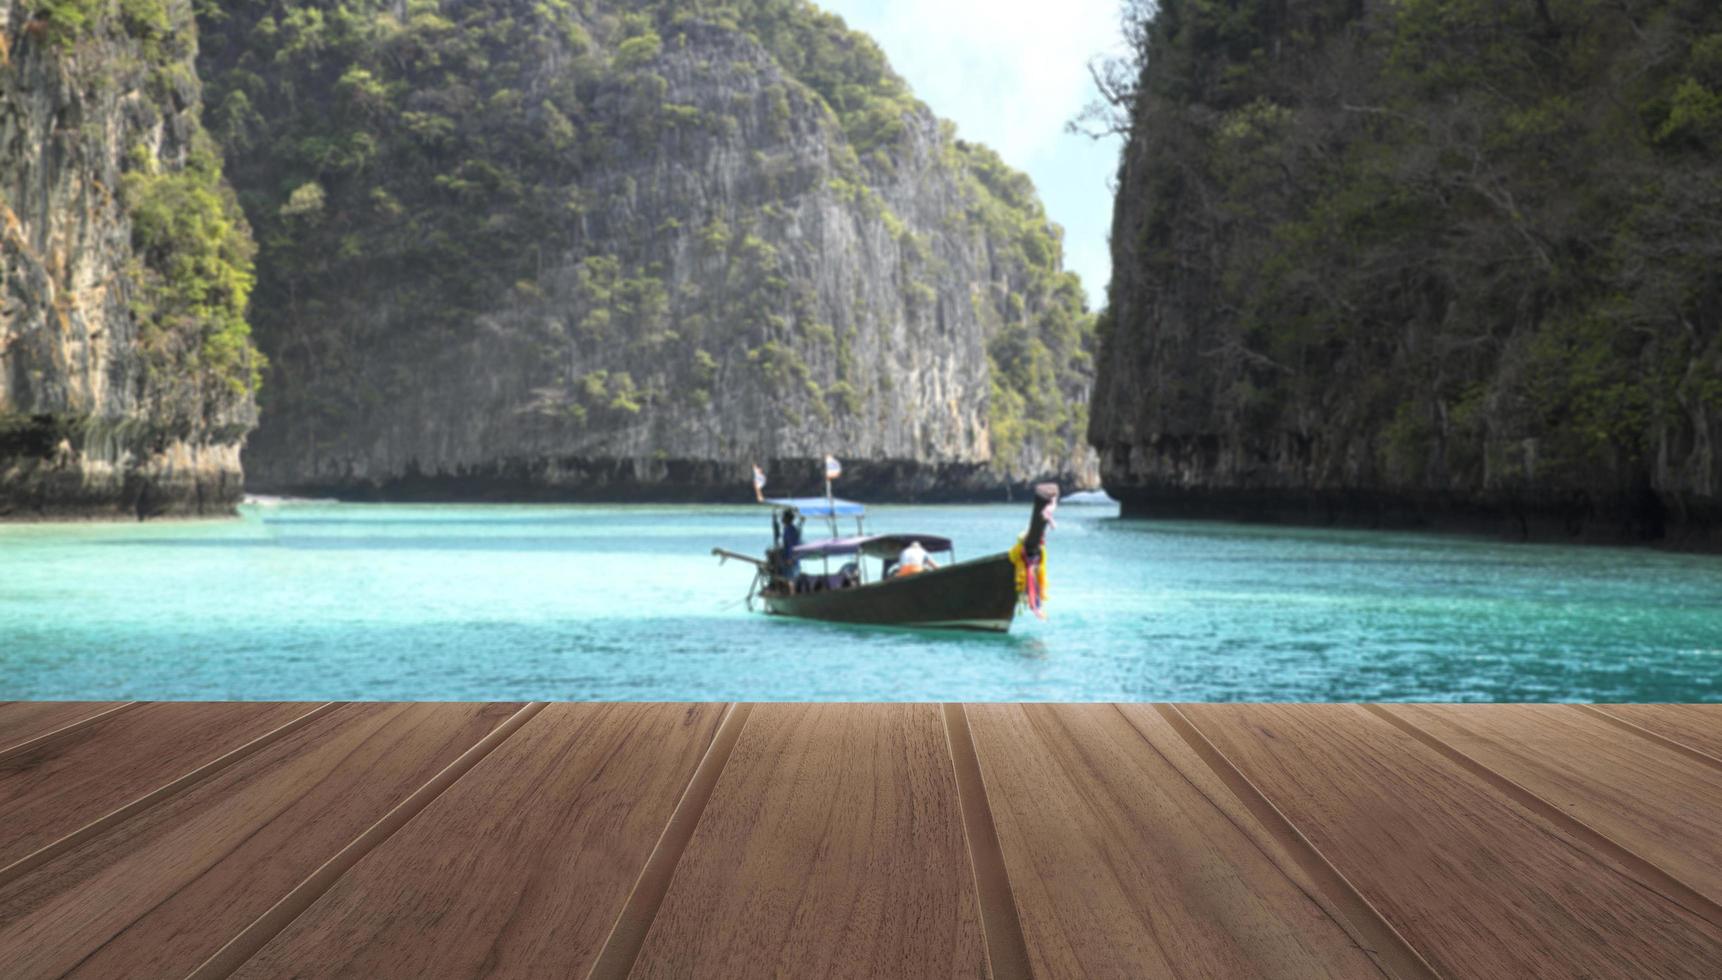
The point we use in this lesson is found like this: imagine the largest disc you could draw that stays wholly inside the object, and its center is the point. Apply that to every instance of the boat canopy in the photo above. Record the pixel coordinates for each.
(872, 545)
(819, 506)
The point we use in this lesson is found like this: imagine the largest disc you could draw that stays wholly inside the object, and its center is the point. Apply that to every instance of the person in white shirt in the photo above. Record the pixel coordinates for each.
(913, 560)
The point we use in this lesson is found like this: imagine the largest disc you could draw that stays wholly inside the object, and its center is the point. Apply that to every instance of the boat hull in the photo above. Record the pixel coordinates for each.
(972, 595)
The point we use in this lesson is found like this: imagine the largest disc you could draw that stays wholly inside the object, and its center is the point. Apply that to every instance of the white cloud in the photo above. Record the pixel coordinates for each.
(1010, 74)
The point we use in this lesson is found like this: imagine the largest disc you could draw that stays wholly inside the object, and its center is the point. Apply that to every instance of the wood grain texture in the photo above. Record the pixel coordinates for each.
(1657, 804)
(24, 720)
(1128, 858)
(832, 847)
(1698, 726)
(50, 792)
(521, 867)
(160, 893)
(1479, 885)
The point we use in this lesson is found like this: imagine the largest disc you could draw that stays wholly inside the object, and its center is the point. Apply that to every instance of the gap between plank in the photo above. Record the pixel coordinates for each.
(628, 935)
(101, 824)
(1646, 873)
(1007, 950)
(1695, 754)
(32, 744)
(1373, 933)
(266, 926)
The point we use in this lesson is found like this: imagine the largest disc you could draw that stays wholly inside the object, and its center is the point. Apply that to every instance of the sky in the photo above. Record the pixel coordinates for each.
(1010, 74)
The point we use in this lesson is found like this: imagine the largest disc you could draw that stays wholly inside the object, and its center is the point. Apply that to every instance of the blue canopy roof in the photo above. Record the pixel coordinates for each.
(873, 546)
(818, 507)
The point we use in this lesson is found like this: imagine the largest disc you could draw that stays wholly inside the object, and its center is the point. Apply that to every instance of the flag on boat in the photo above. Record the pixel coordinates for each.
(758, 483)
(833, 469)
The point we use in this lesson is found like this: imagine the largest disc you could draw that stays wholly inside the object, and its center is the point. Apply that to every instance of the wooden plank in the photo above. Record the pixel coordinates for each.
(832, 847)
(520, 868)
(1007, 950)
(1698, 726)
(55, 789)
(24, 720)
(160, 893)
(1657, 804)
(622, 947)
(1128, 857)
(1478, 884)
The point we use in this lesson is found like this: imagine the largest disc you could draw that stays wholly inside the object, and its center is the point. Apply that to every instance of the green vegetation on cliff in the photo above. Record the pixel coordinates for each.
(1441, 245)
(419, 172)
(192, 275)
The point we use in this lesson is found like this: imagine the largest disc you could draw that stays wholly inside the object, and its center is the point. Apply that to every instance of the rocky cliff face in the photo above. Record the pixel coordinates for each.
(125, 372)
(598, 250)
(1421, 263)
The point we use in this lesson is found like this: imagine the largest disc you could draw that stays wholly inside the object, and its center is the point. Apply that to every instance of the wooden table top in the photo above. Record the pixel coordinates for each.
(859, 840)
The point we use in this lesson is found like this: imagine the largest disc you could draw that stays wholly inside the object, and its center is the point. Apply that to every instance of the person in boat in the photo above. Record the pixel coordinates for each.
(913, 561)
(788, 538)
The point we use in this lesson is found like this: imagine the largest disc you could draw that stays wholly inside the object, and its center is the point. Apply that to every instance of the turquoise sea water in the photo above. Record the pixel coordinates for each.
(316, 601)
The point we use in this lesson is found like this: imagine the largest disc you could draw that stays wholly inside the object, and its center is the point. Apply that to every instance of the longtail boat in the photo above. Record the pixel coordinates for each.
(978, 594)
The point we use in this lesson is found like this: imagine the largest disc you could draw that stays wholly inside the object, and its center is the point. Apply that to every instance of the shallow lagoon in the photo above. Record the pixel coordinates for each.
(380, 602)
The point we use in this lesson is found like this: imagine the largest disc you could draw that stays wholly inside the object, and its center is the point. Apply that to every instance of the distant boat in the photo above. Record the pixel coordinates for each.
(979, 594)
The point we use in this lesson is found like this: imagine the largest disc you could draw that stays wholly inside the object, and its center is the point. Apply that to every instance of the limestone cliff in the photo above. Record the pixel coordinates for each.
(125, 368)
(1421, 263)
(562, 250)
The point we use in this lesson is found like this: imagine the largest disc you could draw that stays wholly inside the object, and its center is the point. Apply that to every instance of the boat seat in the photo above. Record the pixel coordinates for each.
(846, 577)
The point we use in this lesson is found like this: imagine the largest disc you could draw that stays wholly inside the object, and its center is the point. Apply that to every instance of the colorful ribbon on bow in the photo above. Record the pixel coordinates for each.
(1030, 577)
